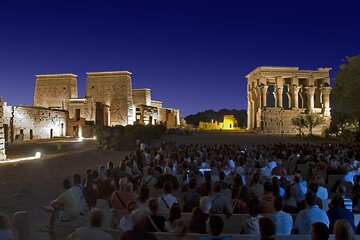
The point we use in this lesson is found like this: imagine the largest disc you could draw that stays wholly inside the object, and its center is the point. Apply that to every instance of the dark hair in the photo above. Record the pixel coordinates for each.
(267, 227)
(174, 212)
(153, 205)
(244, 194)
(279, 203)
(215, 225)
(320, 231)
(222, 175)
(341, 189)
(313, 187)
(144, 193)
(66, 184)
(89, 180)
(255, 178)
(268, 186)
(192, 183)
(76, 179)
(254, 207)
(168, 187)
(96, 217)
(310, 198)
(337, 201)
(4, 222)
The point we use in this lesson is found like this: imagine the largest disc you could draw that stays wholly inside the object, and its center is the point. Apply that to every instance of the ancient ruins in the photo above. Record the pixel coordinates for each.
(277, 94)
(58, 111)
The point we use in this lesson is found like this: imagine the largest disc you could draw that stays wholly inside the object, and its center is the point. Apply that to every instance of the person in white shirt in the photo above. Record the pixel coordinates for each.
(94, 231)
(126, 223)
(322, 192)
(167, 199)
(283, 220)
(310, 215)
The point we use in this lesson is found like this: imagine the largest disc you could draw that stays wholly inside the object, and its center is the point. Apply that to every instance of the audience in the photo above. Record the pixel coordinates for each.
(220, 204)
(251, 222)
(283, 220)
(167, 199)
(267, 228)
(200, 215)
(214, 227)
(267, 199)
(138, 232)
(341, 190)
(155, 223)
(142, 201)
(125, 221)
(167, 177)
(174, 214)
(121, 197)
(338, 211)
(343, 230)
(190, 198)
(241, 204)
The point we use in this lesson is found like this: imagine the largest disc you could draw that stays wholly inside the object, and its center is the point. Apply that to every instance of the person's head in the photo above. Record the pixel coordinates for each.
(89, 180)
(341, 190)
(167, 170)
(4, 222)
(343, 230)
(205, 204)
(319, 180)
(66, 184)
(96, 217)
(179, 227)
(214, 225)
(319, 231)
(337, 202)
(153, 205)
(174, 212)
(144, 193)
(123, 184)
(310, 198)
(254, 207)
(131, 206)
(267, 227)
(76, 179)
(297, 178)
(168, 187)
(313, 187)
(222, 175)
(279, 203)
(138, 218)
(268, 187)
(192, 183)
(110, 165)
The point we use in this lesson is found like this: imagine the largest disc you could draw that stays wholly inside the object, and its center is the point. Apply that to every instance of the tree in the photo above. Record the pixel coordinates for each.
(345, 94)
(299, 124)
(313, 120)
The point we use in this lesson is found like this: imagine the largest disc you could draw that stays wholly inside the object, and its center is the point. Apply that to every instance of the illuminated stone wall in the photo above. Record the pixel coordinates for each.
(155, 103)
(142, 96)
(26, 123)
(113, 89)
(86, 107)
(229, 123)
(52, 90)
(2, 137)
(170, 117)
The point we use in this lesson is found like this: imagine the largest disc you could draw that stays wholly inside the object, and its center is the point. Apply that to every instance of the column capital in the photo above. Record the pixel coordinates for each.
(326, 90)
(263, 88)
(310, 90)
(296, 89)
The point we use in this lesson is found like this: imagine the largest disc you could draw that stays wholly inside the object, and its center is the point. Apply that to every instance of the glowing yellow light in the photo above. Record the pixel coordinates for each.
(80, 139)
(94, 137)
(37, 156)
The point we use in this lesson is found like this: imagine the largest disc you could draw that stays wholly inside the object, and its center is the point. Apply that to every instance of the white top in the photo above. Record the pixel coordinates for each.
(322, 193)
(307, 217)
(283, 222)
(168, 199)
(126, 223)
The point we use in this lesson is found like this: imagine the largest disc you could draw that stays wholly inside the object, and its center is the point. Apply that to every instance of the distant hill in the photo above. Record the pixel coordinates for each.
(206, 116)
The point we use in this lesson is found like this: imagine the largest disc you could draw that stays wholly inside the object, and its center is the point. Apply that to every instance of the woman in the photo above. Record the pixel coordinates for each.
(237, 184)
(338, 211)
(241, 205)
(155, 222)
(343, 230)
(90, 191)
(143, 199)
(174, 213)
(251, 222)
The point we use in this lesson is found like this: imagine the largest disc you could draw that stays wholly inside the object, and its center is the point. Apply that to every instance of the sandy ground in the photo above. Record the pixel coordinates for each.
(29, 185)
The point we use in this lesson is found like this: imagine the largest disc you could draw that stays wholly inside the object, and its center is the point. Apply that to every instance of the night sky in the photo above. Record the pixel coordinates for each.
(194, 55)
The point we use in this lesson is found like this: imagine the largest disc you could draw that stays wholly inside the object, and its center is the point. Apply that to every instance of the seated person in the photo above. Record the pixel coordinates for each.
(338, 211)
(343, 230)
(167, 199)
(267, 228)
(319, 231)
(283, 220)
(223, 184)
(251, 222)
(200, 215)
(94, 231)
(139, 220)
(125, 221)
(190, 198)
(155, 222)
(220, 204)
(167, 177)
(214, 227)
(121, 197)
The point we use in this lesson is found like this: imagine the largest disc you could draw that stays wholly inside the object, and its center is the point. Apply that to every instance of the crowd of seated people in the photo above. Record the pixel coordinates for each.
(261, 179)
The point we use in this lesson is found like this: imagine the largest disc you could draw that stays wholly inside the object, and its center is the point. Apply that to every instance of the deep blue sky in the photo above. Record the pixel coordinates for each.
(194, 55)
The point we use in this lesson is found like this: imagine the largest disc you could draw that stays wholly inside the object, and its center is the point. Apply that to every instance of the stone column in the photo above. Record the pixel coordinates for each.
(310, 98)
(249, 113)
(325, 91)
(279, 99)
(2, 137)
(263, 92)
(295, 97)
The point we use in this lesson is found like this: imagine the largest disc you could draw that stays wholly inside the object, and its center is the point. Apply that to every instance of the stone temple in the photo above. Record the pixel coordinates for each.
(278, 94)
(58, 111)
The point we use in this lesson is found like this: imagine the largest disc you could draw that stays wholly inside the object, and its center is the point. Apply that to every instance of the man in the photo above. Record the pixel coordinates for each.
(167, 199)
(200, 215)
(220, 204)
(66, 207)
(94, 231)
(79, 188)
(267, 228)
(190, 198)
(166, 177)
(120, 198)
(283, 220)
(138, 232)
(319, 231)
(341, 190)
(222, 182)
(214, 227)
(267, 199)
(310, 215)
